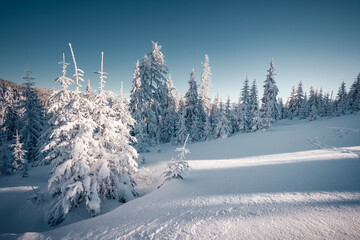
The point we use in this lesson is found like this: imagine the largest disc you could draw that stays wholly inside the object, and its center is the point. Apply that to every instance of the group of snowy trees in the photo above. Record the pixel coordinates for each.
(319, 104)
(162, 117)
(88, 146)
(89, 138)
(22, 125)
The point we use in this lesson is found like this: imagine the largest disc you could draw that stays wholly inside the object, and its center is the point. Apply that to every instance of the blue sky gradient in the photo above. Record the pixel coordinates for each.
(317, 42)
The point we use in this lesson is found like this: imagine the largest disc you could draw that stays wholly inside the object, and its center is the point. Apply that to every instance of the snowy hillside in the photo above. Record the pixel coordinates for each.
(299, 179)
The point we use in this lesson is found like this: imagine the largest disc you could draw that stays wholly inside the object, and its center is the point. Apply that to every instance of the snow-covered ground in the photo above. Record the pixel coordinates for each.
(300, 179)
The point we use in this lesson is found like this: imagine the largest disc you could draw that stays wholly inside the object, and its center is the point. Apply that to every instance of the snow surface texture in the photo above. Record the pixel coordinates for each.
(300, 180)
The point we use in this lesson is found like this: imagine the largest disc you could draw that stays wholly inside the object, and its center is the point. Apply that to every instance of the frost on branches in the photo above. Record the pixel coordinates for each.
(20, 163)
(177, 168)
(91, 156)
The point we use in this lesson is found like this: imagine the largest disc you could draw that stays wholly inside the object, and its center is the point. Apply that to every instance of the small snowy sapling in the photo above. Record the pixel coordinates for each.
(177, 168)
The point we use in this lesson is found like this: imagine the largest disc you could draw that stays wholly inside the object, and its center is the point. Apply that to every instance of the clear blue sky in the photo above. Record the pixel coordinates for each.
(317, 42)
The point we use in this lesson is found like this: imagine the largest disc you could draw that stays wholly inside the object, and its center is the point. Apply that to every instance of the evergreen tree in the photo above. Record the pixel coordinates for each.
(20, 163)
(57, 116)
(222, 129)
(269, 108)
(33, 121)
(96, 160)
(354, 95)
(6, 160)
(170, 108)
(194, 120)
(214, 114)
(205, 85)
(291, 110)
(253, 102)
(341, 101)
(181, 130)
(158, 72)
(299, 101)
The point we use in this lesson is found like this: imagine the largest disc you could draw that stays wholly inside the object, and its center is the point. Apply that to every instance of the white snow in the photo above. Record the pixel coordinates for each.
(298, 180)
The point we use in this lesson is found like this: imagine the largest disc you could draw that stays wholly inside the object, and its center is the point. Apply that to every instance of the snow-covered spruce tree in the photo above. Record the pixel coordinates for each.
(158, 72)
(33, 121)
(20, 163)
(194, 118)
(181, 130)
(269, 109)
(244, 113)
(170, 108)
(205, 85)
(291, 108)
(57, 113)
(177, 168)
(115, 162)
(253, 103)
(312, 102)
(281, 108)
(97, 159)
(341, 101)
(229, 114)
(140, 107)
(299, 102)
(11, 122)
(6, 160)
(313, 113)
(354, 95)
(222, 129)
(214, 114)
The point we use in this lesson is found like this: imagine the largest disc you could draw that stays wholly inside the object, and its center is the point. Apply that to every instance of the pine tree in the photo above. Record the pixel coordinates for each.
(57, 116)
(299, 101)
(222, 129)
(214, 114)
(253, 103)
(205, 85)
(20, 163)
(291, 109)
(194, 120)
(181, 130)
(170, 108)
(94, 160)
(33, 121)
(354, 95)
(341, 101)
(6, 160)
(245, 113)
(269, 108)
(158, 72)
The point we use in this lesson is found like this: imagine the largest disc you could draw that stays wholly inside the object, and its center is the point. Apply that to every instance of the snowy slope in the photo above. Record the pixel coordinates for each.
(298, 180)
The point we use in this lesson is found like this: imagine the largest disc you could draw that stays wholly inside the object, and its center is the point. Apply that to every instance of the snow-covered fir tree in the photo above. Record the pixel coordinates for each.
(97, 160)
(33, 121)
(214, 114)
(170, 115)
(6, 160)
(20, 162)
(181, 129)
(354, 95)
(244, 115)
(57, 113)
(253, 102)
(205, 85)
(229, 114)
(158, 72)
(291, 108)
(222, 129)
(341, 101)
(270, 110)
(194, 117)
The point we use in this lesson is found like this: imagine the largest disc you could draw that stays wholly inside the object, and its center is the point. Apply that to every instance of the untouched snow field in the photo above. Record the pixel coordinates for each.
(299, 179)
